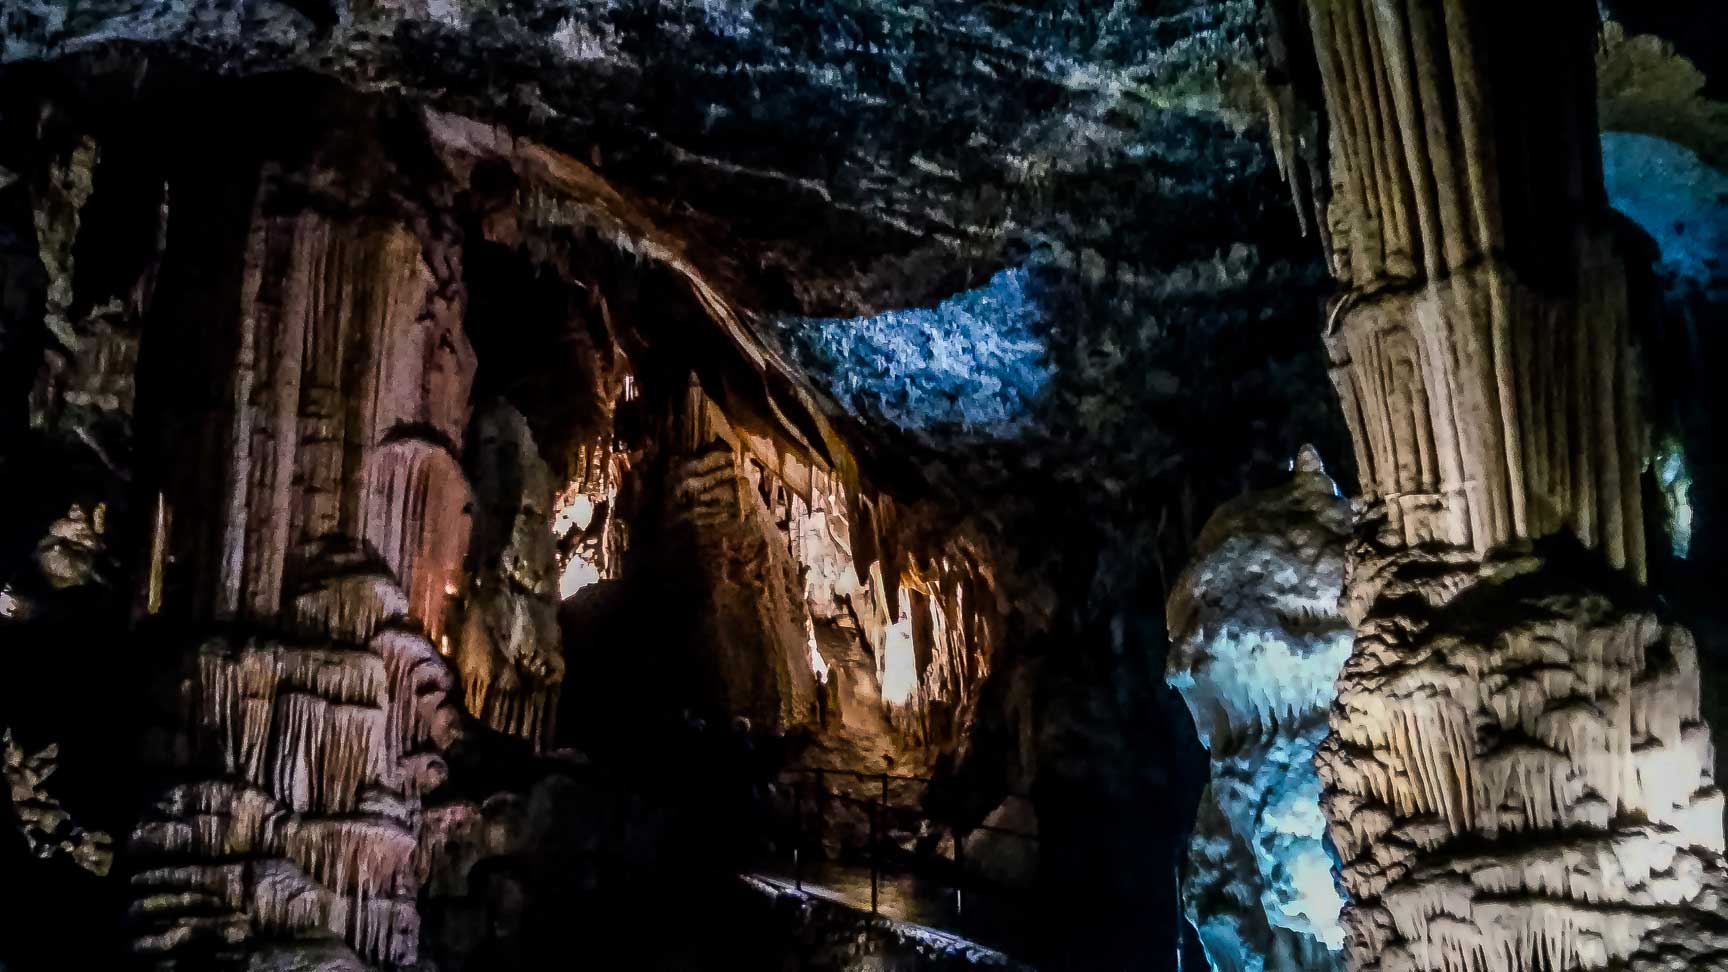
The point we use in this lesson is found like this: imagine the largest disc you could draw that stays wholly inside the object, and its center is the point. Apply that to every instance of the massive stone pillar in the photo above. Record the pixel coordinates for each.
(1518, 776)
(310, 378)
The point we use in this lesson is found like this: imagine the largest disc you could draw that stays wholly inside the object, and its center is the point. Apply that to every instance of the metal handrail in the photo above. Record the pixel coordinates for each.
(905, 809)
(879, 807)
(1009, 795)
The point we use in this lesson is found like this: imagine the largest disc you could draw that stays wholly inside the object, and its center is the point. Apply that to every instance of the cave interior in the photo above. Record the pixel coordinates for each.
(863, 485)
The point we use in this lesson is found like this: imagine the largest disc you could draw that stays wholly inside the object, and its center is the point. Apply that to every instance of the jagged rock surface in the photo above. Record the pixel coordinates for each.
(48, 829)
(867, 110)
(509, 651)
(1519, 767)
(1257, 640)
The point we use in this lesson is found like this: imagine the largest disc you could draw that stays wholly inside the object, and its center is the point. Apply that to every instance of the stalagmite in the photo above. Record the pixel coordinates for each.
(1256, 644)
(1518, 776)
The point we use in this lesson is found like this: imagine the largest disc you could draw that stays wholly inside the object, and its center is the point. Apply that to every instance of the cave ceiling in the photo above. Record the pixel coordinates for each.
(1091, 184)
(834, 158)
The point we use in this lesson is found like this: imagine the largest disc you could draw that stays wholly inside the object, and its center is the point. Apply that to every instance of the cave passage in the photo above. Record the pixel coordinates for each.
(850, 486)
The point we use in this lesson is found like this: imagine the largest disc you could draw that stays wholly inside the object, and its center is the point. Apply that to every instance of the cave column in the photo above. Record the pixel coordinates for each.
(308, 378)
(1518, 775)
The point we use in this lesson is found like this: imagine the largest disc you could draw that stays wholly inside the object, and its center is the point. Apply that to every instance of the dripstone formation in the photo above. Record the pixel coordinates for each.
(313, 521)
(526, 484)
(344, 545)
(1257, 640)
(1518, 775)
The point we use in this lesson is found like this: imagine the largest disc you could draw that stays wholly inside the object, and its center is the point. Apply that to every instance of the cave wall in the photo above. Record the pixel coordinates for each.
(323, 534)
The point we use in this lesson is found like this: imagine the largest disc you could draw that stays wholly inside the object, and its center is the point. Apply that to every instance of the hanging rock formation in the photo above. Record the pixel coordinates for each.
(1256, 644)
(1518, 775)
(314, 378)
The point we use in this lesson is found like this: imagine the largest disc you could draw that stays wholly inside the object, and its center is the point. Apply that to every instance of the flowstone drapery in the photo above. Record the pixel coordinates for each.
(313, 379)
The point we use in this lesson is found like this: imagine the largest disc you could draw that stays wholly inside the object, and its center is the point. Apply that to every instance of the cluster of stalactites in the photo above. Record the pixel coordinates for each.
(588, 528)
(1535, 782)
(934, 657)
(929, 623)
(929, 618)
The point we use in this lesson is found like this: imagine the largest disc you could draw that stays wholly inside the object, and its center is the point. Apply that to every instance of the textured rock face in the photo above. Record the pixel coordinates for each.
(48, 829)
(1492, 391)
(1519, 768)
(873, 113)
(313, 522)
(510, 652)
(1257, 641)
(1518, 775)
(753, 622)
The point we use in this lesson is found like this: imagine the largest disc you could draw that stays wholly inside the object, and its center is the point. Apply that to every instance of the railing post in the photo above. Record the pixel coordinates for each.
(878, 824)
(875, 842)
(798, 833)
(959, 873)
(872, 858)
(821, 816)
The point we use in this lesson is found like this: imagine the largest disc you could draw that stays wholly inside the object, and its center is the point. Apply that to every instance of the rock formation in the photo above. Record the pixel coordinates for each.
(48, 829)
(1257, 641)
(314, 380)
(428, 425)
(1518, 775)
(509, 650)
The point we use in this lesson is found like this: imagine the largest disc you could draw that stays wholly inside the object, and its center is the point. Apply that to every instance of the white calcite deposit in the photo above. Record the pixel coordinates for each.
(1257, 642)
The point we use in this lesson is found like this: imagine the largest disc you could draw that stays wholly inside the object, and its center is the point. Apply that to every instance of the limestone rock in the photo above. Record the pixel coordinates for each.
(314, 528)
(1518, 766)
(509, 650)
(1518, 774)
(1257, 639)
(48, 829)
